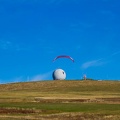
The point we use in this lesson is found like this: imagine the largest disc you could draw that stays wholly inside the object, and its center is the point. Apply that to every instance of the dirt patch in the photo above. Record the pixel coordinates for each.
(42, 100)
(64, 116)
(69, 100)
(109, 99)
(15, 111)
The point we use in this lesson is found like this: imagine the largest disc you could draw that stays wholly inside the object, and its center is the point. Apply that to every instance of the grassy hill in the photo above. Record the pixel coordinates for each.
(69, 85)
(60, 99)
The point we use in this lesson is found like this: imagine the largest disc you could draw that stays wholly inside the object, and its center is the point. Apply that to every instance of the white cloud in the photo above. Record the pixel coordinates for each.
(107, 13)
(115, 53)
(99, 62)
(81, 25)
(92, 63)
(8, 45)
(13, 80)
(5, 44)
(44, 76)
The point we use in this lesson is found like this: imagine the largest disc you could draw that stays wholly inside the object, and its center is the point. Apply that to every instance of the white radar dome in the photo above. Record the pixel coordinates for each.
(59, 74)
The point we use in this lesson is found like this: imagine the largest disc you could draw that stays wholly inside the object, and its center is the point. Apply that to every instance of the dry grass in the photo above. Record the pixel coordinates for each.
(19, 98)
(63, 116)
(28, 91)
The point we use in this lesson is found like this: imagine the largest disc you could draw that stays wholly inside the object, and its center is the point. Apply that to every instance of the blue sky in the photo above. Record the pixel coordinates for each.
(34, 32)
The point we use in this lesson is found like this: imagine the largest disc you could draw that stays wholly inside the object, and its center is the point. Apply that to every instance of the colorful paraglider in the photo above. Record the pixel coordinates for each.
(63, 56)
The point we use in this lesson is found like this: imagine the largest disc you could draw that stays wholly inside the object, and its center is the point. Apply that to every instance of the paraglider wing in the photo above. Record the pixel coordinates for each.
(64, 56)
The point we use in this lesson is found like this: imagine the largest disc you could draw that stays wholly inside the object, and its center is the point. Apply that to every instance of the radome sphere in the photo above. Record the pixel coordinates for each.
(59, 74)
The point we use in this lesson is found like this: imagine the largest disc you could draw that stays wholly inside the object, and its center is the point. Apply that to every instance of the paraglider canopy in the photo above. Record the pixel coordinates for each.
(63, 56)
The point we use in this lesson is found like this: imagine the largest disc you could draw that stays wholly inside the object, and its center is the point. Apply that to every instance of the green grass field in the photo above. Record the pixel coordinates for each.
(61, 100)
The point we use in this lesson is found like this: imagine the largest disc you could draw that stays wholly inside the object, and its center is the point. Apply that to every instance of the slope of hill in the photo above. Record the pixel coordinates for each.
(61, 89)
(92, 98)
(69, 85)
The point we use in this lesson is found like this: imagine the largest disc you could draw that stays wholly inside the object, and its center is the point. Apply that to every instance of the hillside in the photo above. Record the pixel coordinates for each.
(66, 85)
(61, 100)
(63, 89)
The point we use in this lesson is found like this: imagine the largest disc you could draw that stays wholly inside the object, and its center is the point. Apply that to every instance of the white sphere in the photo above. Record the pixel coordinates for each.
(59, 74)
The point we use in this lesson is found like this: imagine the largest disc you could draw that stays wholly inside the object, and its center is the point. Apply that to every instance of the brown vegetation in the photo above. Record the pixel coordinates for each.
(56, 92)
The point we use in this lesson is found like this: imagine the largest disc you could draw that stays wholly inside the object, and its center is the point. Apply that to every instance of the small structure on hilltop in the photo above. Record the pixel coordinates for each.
(59, 74)
(84, 76)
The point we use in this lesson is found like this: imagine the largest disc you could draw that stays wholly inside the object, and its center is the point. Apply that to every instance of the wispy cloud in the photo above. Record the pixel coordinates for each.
(12, 80)
(13, 46)
(81, 25)
(115, 53)
(92, 63)
(107, 13)
(8, 45)
(5, 44)
(38, 77)
(99, 62)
